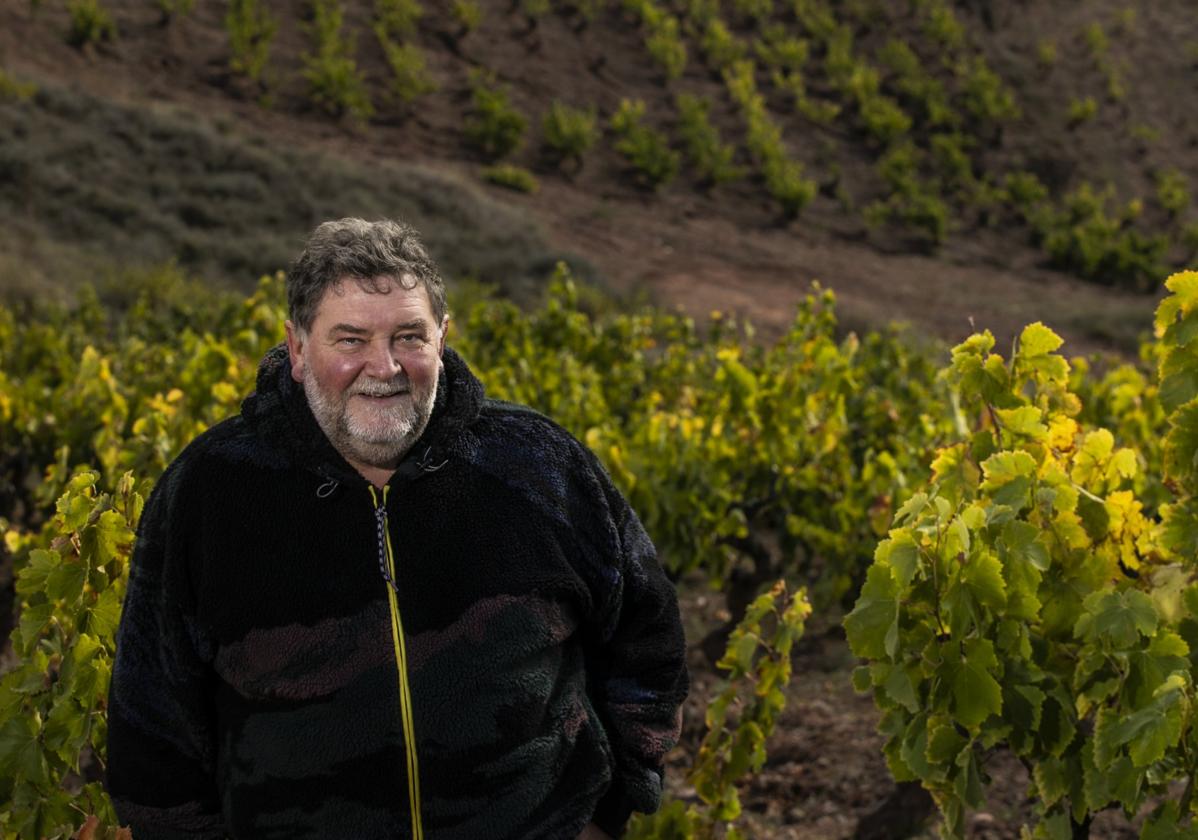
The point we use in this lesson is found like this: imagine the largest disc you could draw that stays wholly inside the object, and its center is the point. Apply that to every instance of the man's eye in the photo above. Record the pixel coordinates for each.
(409, 338)
(349, 341)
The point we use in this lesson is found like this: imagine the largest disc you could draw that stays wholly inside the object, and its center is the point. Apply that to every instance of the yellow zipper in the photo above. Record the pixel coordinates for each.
(387, 562)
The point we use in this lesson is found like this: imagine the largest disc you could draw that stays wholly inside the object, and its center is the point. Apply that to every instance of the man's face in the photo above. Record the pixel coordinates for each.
(369, 367)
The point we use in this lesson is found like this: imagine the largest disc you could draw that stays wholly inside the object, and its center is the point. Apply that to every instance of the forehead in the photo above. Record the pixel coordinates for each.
(354, 299)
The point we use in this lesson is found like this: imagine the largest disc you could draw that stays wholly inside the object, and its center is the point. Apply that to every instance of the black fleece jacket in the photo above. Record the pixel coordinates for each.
(487, 648)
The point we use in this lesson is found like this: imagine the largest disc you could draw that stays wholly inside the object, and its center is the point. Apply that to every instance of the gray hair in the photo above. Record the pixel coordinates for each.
(365, 252)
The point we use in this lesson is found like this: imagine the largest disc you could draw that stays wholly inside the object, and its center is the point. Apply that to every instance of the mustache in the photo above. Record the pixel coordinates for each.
(382, 389)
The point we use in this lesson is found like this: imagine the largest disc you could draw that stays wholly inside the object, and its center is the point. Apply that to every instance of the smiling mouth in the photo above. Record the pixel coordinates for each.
(386, 396)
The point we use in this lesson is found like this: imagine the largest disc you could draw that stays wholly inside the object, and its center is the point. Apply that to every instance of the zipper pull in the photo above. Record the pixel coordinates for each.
(380, 521)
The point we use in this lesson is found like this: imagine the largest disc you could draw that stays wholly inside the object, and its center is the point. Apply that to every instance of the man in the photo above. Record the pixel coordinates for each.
(377, 604)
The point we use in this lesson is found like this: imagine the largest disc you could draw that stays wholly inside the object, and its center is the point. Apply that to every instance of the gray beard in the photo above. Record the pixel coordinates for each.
(377, 448)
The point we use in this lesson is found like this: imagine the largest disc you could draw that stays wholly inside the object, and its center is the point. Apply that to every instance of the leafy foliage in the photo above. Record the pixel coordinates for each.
(410, 78)
(1172, 192)
(740, 718)
(783, 175)
(513, 177)
(468, 15)
(495, 127)
(91, 23)
(568, 132)
(1082, 237)
(1024, 597)
(647, 149)
(711, 158)
(251, 29)
(398, 18)
(172, 9)
(334, 81)
(12, 89)
(52, 724)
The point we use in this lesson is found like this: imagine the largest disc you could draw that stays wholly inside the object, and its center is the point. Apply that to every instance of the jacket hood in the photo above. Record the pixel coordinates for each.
(279, 414)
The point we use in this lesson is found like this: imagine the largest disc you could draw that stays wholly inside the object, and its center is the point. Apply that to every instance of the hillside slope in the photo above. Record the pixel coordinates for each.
(139, 147)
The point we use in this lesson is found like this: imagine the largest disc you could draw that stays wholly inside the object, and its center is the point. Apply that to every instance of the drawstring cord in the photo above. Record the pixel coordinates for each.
(425, 466)
(331, 484)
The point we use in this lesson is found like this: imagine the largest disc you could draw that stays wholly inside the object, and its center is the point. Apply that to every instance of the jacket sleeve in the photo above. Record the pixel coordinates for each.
(637, 668)
(160, 731)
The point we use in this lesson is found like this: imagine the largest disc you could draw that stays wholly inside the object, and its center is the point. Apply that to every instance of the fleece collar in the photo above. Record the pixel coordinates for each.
(279, 414)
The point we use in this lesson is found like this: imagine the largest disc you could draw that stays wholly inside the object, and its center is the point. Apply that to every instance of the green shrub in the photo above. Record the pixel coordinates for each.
(778, 48)
(645, 148)
(1116, 88)
(535, 8)
(720, 47)
(1025, 192)
(1172, 192)
(662, 36)
(952, 158)
(919, 211)
(924, 93)
(1145, 133)
(899, 168)
(251, 29)
(568, 132)
(1189, 240)
(90, 23)
(397, 18)
(1097, 40)
(588, 10)
(495, 128)
(711, 158)
(791, 82)
(884, 119)
(783, 175)
(11, 89)
(334, 81)
(513, 177)
(816, 18)
(701, 13)
(913, 204)
(819, 111)
(666, 46)
(785, 183)
(861, 81)
(742, 715)
(410, 79)
(839, 61)
(1046, 52)
(467, 14)
(756, 10)
(943, 28)
(1082, 238)
(987, 98)
(1082, 110)
(175, 8)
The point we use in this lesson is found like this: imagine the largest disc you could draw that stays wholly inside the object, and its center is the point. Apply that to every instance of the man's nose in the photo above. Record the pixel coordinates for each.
(383, 362)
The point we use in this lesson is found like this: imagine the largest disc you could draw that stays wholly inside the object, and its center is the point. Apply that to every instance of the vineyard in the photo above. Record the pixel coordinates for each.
(928, 587)
(1011, 538)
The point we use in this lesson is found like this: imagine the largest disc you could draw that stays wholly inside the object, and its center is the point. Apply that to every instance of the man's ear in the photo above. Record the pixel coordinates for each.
(295, 349)
(444, 332)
